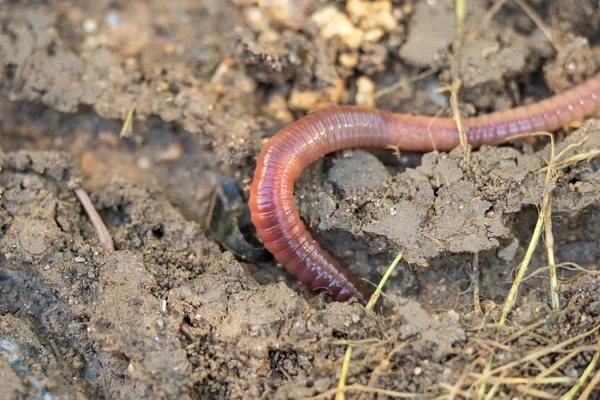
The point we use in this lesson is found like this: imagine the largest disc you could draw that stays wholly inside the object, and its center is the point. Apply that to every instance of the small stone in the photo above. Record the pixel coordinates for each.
(172, 152)
(311, 100)
(130, 369)
(509, 252)
(256, 19)
(278, 107)
(453, 315)
(113, 19)
(365, 92)
(144, 163)
(372, 14)
(349, 60)
(90, 25)
(334, 23)
(290, 13)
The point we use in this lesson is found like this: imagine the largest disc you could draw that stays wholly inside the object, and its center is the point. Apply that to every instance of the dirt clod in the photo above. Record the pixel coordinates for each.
(425, 39)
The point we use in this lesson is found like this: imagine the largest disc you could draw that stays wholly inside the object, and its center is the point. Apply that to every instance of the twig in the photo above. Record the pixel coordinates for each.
(551, 380)
(546, 30)
(492, 345)
(551, 262)
(486, 19)
(585, 395)
(567, 266)
(589, 155)
(511, 298)
(362, 388)
(586, 373)
(101, 229)
(383, 364)
(462, 133)
(554, 367)
(375, 297)
(535, 393)
(494, 389)
(475, 283)
(531, 327)
(460, 12)
(542, 352)
(488, 368)
(404, 82)
(370, 304)
(512, 294)
(364, 342)
(126, 130)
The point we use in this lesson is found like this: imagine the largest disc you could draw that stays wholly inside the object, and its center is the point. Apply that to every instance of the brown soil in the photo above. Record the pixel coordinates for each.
(173, 314)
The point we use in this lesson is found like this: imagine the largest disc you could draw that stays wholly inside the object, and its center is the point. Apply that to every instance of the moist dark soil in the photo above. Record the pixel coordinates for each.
(177, 311)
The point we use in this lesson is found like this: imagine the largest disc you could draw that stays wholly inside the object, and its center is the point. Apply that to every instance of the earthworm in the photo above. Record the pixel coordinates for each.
(335, 128)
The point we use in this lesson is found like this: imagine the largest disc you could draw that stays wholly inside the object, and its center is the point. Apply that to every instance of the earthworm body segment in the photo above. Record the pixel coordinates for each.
(335, 128)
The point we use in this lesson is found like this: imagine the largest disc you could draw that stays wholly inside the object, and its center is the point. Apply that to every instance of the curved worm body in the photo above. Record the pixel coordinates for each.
(335, 128)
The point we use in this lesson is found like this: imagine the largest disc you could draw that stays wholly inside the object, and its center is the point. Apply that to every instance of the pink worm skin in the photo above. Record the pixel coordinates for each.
(335, 128)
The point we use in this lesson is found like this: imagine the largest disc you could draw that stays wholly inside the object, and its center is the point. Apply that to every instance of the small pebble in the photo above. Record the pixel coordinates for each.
(130, 368)
(349, 60)
(453, 315)
(113, 19)
(144, 163)
(171, 153)
(365, 92)
(334, 23)
(92, 368)
(90, 25)
(509, 252)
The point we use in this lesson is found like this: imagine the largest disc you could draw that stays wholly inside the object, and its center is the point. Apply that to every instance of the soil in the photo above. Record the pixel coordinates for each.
(173, 313)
